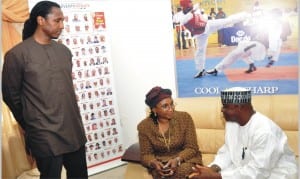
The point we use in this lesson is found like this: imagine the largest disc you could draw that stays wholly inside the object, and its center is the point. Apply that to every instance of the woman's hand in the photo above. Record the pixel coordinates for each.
(156, 164)
(170, 167)
(172, 163)
(163, 170)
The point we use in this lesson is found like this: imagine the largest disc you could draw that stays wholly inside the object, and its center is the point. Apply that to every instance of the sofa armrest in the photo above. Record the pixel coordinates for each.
(132, 154)
(134, 167)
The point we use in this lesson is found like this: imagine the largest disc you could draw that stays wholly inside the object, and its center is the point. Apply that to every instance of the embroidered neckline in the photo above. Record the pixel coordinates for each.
(167, 141)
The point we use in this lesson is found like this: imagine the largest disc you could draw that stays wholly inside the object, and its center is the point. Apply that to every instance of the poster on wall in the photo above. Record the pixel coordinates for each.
(86, 35)
(248, 43)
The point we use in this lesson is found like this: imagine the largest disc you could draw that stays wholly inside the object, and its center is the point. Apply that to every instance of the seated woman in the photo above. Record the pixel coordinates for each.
(167, 138)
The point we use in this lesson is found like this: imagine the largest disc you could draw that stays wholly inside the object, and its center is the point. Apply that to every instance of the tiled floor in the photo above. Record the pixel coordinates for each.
(114, 173)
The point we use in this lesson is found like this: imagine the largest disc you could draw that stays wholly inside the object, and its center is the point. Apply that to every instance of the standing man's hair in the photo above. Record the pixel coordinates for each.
(42, 8)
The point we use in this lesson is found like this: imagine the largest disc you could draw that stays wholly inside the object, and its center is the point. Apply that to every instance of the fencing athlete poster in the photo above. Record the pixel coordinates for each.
(87, 36)
(248, 43)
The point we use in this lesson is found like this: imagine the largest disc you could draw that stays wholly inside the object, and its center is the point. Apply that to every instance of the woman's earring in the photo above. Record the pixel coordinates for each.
(155, 115)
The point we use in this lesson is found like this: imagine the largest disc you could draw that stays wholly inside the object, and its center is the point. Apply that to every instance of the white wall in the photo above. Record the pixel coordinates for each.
(142, 54)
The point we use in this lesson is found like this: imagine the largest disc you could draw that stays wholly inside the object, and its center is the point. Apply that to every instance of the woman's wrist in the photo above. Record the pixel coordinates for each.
(152, 163)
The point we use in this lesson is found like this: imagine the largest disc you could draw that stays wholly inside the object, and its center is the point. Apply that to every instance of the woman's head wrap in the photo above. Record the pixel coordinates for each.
(156, 94)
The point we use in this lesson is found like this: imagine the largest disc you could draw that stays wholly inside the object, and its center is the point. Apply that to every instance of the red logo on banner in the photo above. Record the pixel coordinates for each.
(99, 20)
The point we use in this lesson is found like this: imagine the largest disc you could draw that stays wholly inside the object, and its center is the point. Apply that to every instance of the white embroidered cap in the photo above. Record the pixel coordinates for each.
(236, 95)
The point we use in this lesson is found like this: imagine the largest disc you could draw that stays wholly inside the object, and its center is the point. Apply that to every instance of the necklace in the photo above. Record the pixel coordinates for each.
(166, 141)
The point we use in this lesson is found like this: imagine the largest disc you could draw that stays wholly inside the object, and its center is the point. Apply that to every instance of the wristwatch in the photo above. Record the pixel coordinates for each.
(215, 168)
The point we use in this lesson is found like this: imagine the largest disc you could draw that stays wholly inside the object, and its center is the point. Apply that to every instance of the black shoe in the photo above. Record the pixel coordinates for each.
(270, 63)
(213, 72)
(251, 69)
(200, 74)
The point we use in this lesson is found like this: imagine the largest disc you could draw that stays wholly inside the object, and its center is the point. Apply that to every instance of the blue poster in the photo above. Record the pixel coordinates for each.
(218, 47)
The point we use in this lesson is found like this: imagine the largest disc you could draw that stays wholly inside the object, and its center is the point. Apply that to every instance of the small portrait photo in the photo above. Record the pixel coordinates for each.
(67, 28)
(94, 126)
(81, 41)
(97, 49)
(113, 121)
(96, 40)
(91, 147)
(92, 62)
(105, 61)
(95, 156)
(102, 38)
(75, 18)
(84, 106)
(112, 111)
(85, 17)
(108, 81)
(97, 146)
(104, 103)
(116, 140)
(91, 106)
(95, 136)
(96, 94)
(86, 74)
(108, 132)
(77, 28)
(66, 18)
(93, 116)
(100, 73)
(106, 70)
(91, 51)
(100, 115)
(86, 27)
(89, 40)
(114, 151)
(75, 42)
(68, 42)
(115, 132)
(86, 117)
(83, 52)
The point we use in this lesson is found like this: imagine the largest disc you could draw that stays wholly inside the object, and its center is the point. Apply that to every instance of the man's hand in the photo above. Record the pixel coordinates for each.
(203, 172)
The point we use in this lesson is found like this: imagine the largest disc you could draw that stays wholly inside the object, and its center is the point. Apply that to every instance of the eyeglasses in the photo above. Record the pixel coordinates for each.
(166, 107)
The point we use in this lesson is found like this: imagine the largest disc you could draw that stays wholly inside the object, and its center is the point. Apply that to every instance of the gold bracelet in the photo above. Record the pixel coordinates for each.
(150, 163)
(178, 161)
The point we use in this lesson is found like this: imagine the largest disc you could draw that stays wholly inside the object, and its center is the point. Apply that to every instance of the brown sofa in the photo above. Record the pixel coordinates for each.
(208, 119)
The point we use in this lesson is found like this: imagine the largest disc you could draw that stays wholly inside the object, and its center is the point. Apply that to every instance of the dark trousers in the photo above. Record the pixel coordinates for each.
(74, 163)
